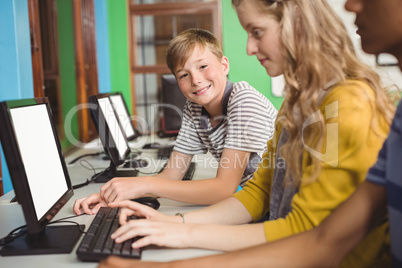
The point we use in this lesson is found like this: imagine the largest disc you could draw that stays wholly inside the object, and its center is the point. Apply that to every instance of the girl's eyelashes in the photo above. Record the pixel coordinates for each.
(203, 66)
(256, 33)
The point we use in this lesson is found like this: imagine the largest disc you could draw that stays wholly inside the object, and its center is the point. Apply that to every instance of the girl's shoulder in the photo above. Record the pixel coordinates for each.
(350, 91)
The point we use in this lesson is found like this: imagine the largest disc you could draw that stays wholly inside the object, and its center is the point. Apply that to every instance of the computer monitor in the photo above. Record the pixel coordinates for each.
(39, 175)
(111, 134)
(174, 101)
(124, 116)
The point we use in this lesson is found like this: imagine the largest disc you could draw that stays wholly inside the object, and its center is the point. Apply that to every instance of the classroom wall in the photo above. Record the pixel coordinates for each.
(67, 70)
(117, 11)
(15, 64)
(102, 45)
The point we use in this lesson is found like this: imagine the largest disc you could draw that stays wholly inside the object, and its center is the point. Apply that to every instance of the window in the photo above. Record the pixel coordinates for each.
(153, 24)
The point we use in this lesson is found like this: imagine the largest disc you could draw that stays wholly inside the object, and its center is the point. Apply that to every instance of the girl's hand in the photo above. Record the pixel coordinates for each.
(164, 234)
(157, 228)
(131, 208)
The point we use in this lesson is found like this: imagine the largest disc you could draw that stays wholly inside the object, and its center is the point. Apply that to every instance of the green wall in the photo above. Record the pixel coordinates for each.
(242, 66)
(118, 48)
(67, 66)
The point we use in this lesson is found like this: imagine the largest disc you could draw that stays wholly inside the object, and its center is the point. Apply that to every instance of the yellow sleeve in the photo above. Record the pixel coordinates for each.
(255, 195)
(358, 145)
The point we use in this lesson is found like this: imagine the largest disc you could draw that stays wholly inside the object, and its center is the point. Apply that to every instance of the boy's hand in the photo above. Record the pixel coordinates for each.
(89, 205)
(124, 188)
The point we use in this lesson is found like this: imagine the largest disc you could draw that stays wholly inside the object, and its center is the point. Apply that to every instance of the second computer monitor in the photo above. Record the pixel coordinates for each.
(124, 116)
(111, 135)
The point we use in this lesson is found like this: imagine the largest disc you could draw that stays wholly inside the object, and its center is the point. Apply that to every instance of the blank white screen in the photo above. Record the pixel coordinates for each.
(40, 156)
(115, 130)
(123, 115)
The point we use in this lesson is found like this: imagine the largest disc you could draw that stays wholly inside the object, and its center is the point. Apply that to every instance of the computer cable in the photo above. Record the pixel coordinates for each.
(20, 231)
(93, 178)
(84, 155)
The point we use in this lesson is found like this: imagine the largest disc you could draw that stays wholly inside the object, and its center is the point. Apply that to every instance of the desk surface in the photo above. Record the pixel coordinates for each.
(12, 216)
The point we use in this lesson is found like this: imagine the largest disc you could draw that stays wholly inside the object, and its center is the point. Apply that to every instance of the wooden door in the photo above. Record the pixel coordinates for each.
(85, 63)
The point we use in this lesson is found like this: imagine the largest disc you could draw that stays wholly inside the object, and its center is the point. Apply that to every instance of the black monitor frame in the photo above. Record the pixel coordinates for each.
(39, 238)
(109, 144)
(126, 115)
(171, 96)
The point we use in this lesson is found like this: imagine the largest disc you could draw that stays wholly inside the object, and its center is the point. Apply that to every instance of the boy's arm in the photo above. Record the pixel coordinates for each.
(205, 191)
(168, 184)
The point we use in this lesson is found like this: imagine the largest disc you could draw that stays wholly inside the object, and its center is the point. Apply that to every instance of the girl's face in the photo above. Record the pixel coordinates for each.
(263, 37)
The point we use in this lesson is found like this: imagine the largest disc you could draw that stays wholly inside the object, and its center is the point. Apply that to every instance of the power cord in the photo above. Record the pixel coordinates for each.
(84, 155)
(22, 230)
(93, 178)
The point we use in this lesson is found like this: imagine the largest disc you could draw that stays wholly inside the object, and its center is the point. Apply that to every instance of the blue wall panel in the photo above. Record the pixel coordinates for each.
(16, 64)
(102, 46)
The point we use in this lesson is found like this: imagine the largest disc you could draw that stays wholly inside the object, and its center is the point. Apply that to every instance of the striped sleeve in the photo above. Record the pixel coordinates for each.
(251, 119)
(188, 140)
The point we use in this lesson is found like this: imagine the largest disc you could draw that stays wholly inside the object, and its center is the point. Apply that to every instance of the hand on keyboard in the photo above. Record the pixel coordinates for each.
(157, 228)
(89, 205)
(164, 234)
(124, 188)
(130, 208)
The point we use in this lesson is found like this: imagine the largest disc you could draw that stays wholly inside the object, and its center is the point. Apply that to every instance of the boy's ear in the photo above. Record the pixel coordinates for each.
(225, 65)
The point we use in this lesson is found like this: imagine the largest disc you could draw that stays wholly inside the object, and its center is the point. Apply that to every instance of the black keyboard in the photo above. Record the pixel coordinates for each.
(165, 152)
(97, 244)
(189, 173)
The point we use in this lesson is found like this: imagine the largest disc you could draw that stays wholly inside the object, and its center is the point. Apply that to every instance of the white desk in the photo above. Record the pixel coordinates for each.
(11, 215)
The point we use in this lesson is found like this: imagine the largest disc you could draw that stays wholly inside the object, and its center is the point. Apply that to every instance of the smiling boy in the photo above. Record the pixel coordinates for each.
(233, 121)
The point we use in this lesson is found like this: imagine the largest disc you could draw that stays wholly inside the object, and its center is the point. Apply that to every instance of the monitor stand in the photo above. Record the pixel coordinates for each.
(54, 240)
(112, 172)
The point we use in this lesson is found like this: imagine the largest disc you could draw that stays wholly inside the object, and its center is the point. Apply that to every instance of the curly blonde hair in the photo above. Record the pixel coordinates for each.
(313, 36)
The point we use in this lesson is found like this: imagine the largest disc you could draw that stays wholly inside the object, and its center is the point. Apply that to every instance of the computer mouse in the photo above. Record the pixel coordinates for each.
(154, 145)
(149, 201)
(136, 163)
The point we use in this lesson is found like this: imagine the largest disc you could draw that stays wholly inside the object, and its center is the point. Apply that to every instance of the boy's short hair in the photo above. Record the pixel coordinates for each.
(181, 47)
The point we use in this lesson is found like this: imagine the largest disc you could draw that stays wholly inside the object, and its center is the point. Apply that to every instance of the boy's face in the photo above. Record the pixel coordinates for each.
(379, 25)
(202, 79)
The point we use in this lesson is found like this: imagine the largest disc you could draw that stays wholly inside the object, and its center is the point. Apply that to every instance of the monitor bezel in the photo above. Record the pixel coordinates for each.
(107, 140)
(136, 132)
(16, 166)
